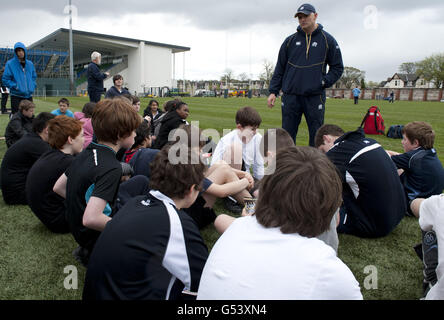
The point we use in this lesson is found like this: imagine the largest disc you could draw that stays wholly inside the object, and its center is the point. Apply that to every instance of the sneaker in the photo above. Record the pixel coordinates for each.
(81, 255)
(231, 205)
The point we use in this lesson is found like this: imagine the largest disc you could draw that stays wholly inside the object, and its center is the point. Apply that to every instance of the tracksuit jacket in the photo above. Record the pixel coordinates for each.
(301, 68)
(20, 81)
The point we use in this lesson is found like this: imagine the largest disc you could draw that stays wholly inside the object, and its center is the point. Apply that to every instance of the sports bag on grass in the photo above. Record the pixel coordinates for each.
(373, 121)
(395, 131)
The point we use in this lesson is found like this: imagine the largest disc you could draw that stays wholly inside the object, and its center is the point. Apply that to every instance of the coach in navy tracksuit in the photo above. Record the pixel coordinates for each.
(301, 73)
(95, 78)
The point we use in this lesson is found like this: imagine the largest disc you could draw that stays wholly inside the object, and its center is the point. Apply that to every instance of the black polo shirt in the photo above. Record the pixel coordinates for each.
(47, 205)
(148, 251)
(16, 164)
(95, 167)
(372, 192)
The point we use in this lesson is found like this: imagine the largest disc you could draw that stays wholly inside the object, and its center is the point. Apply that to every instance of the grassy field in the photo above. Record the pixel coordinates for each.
(32, 260)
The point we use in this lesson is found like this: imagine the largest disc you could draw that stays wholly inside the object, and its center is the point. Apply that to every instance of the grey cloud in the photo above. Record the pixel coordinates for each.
(228, 14)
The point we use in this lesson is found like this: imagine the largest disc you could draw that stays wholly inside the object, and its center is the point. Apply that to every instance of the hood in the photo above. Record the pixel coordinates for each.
(318, 29)
(79, 115)
(19, 45)
(170, 115)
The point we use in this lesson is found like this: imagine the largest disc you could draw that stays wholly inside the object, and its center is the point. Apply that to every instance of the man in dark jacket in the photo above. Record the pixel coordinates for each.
(20, 77)
(301, 73)
(95, 78)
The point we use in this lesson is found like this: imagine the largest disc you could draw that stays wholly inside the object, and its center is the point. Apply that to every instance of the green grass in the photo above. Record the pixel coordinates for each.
(32, 259)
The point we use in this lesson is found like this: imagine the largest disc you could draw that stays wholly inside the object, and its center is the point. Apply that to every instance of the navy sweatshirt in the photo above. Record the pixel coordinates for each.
(301, 68)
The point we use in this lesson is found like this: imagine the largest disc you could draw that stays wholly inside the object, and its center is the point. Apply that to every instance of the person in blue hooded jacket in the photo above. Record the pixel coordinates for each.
(20, 77)
(301, 73)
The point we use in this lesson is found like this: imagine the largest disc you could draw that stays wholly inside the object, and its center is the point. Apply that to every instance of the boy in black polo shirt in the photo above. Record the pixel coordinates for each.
(65, 135)
(20, 157)
(96, 172)
(373, 199)
(152, 249)
(423, 174)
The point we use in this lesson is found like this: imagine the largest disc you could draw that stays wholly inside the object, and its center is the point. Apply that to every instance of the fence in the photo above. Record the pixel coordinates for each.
(404, 94)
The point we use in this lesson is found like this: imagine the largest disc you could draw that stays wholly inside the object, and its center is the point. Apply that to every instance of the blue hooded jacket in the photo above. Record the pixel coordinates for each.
(301, 68)
(19, 80)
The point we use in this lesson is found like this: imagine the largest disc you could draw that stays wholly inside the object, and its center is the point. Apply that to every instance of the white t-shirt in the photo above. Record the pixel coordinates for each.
(250, 152)
(250, 262)
(431, 217)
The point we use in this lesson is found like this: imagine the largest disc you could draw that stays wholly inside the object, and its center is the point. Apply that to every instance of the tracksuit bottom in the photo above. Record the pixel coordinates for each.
(313, 109)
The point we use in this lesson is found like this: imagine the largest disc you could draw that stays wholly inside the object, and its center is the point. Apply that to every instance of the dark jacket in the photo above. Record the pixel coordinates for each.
(95, 78)
(19, 80)
(154, 123)
(113, 92)
(171, 121)
(17, 127)
(16, 164)
(304, 72)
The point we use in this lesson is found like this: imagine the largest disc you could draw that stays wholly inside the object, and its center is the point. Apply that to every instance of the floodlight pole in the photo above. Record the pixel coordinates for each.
(71, 56)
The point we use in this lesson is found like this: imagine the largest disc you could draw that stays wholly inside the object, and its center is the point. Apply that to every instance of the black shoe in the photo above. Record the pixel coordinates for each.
(232, 206)
(81, 255)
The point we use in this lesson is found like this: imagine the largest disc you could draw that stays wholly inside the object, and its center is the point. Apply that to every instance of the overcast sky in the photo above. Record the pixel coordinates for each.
(374, 36)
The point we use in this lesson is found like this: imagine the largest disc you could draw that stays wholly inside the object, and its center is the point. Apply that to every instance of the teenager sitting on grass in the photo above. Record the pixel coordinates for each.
(431, 221)
(152, 249)
(20, 123)
(153, 112)
(85, 117)
(20, 157)
(172, 120)
(221, 180)
(65, 136)
(422, 173)
(274, 254)
(240, 149)
(96, 173)
(273, 141)
(141, 141)
(373, 199)
(63, 109)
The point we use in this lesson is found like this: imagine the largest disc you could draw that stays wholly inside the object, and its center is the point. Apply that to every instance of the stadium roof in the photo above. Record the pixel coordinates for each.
(86, 42)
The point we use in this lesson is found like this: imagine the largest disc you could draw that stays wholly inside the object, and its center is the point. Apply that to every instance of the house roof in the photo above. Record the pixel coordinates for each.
(85, 42)
(406, 77)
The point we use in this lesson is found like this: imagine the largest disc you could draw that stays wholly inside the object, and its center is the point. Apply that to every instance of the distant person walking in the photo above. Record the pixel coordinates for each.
(356, 93)
(95, 77)
(392, 97)
(301, 73)
(20, 77)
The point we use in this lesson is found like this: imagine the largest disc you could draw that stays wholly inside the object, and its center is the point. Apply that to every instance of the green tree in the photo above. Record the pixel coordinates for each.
(408, 67)
(432, 68)
(352, 76)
